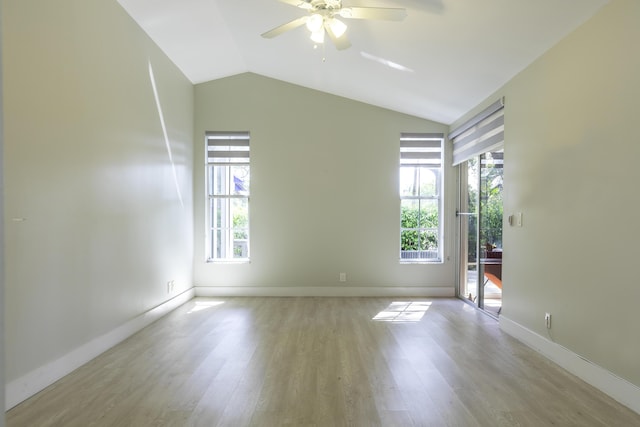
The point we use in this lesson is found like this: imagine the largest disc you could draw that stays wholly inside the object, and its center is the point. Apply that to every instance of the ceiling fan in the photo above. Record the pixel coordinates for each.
(323, 17)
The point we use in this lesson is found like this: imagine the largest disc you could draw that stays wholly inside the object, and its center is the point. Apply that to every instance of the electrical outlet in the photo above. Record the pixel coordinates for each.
(343, 277)
(547, 320)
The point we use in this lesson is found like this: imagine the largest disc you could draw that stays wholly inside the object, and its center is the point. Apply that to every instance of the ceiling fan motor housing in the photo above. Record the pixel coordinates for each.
(328, 5)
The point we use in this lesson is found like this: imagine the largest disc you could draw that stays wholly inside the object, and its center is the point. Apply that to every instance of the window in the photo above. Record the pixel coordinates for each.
(420, 197)
(228, 178)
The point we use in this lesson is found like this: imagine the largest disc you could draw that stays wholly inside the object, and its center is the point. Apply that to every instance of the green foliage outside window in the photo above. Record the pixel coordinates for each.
(491, 210)
(419, 229)
(491, 205)
(491, 218)
(240, 226)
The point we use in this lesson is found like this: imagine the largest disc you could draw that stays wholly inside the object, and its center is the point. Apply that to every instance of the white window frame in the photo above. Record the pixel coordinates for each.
(421, 152)
(226, 152)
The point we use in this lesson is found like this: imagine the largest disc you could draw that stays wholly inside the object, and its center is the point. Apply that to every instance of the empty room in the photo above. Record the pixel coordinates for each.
(319, 213)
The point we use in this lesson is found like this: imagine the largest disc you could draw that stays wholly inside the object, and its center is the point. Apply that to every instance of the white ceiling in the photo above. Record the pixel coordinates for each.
(456, 52)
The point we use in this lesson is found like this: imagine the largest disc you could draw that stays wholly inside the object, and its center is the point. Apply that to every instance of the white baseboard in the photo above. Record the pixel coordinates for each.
(28, 385)
(618, 388)
(324, 291)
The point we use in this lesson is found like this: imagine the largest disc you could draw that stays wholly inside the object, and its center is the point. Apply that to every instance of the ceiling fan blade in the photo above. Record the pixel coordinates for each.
(285, 27)
(341, 42)
(379, 13)
(298, 3)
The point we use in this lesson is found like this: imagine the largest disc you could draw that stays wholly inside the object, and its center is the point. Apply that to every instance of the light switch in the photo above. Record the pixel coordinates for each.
(515, 220)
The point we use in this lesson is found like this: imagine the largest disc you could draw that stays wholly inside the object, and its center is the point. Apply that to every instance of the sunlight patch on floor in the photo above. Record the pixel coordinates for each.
(403, 312)
(203, 305)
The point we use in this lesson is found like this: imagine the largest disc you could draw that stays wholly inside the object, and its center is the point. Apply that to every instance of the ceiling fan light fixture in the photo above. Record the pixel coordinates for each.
(337, 27)
(321, 19)
(314, 23)
(318, 36)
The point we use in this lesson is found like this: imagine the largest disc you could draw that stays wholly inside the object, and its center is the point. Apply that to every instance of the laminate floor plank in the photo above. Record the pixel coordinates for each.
(321, 362)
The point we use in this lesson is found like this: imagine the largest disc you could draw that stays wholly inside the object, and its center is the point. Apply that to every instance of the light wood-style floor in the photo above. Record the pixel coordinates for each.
(321, 362)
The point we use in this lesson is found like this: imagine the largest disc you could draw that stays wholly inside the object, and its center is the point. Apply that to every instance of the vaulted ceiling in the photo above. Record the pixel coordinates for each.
(441, 61)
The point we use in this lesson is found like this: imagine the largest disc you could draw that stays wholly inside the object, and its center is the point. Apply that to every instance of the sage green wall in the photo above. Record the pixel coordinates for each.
(324, 188)
(94, 225)
(571, 153)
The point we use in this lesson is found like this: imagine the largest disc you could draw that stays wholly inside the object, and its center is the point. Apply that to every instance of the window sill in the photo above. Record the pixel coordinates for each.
(228, 261)
(421, 261)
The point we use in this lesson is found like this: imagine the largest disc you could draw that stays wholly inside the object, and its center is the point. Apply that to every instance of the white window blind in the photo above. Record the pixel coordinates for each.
(482, 133)
(227, 148)
(421, 149)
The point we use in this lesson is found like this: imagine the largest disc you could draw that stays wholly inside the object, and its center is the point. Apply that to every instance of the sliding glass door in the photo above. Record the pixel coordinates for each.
(480, 224)
(468, 222)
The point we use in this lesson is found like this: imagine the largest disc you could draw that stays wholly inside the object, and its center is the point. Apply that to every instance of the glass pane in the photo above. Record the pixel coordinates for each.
(428, 240)
(427, 182)
(409, 240)
(240, 213)
(240, 228)
(481, 231)
(471, 270)
(409, 213)
(419, 229)
(468, 232)
(220, 180)
(241, 180)
(428, 217)
(210, 180)
(409, 181)
(491, 174)
(219, 244)
(418, 181)
(219, 213)
(240, 248)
